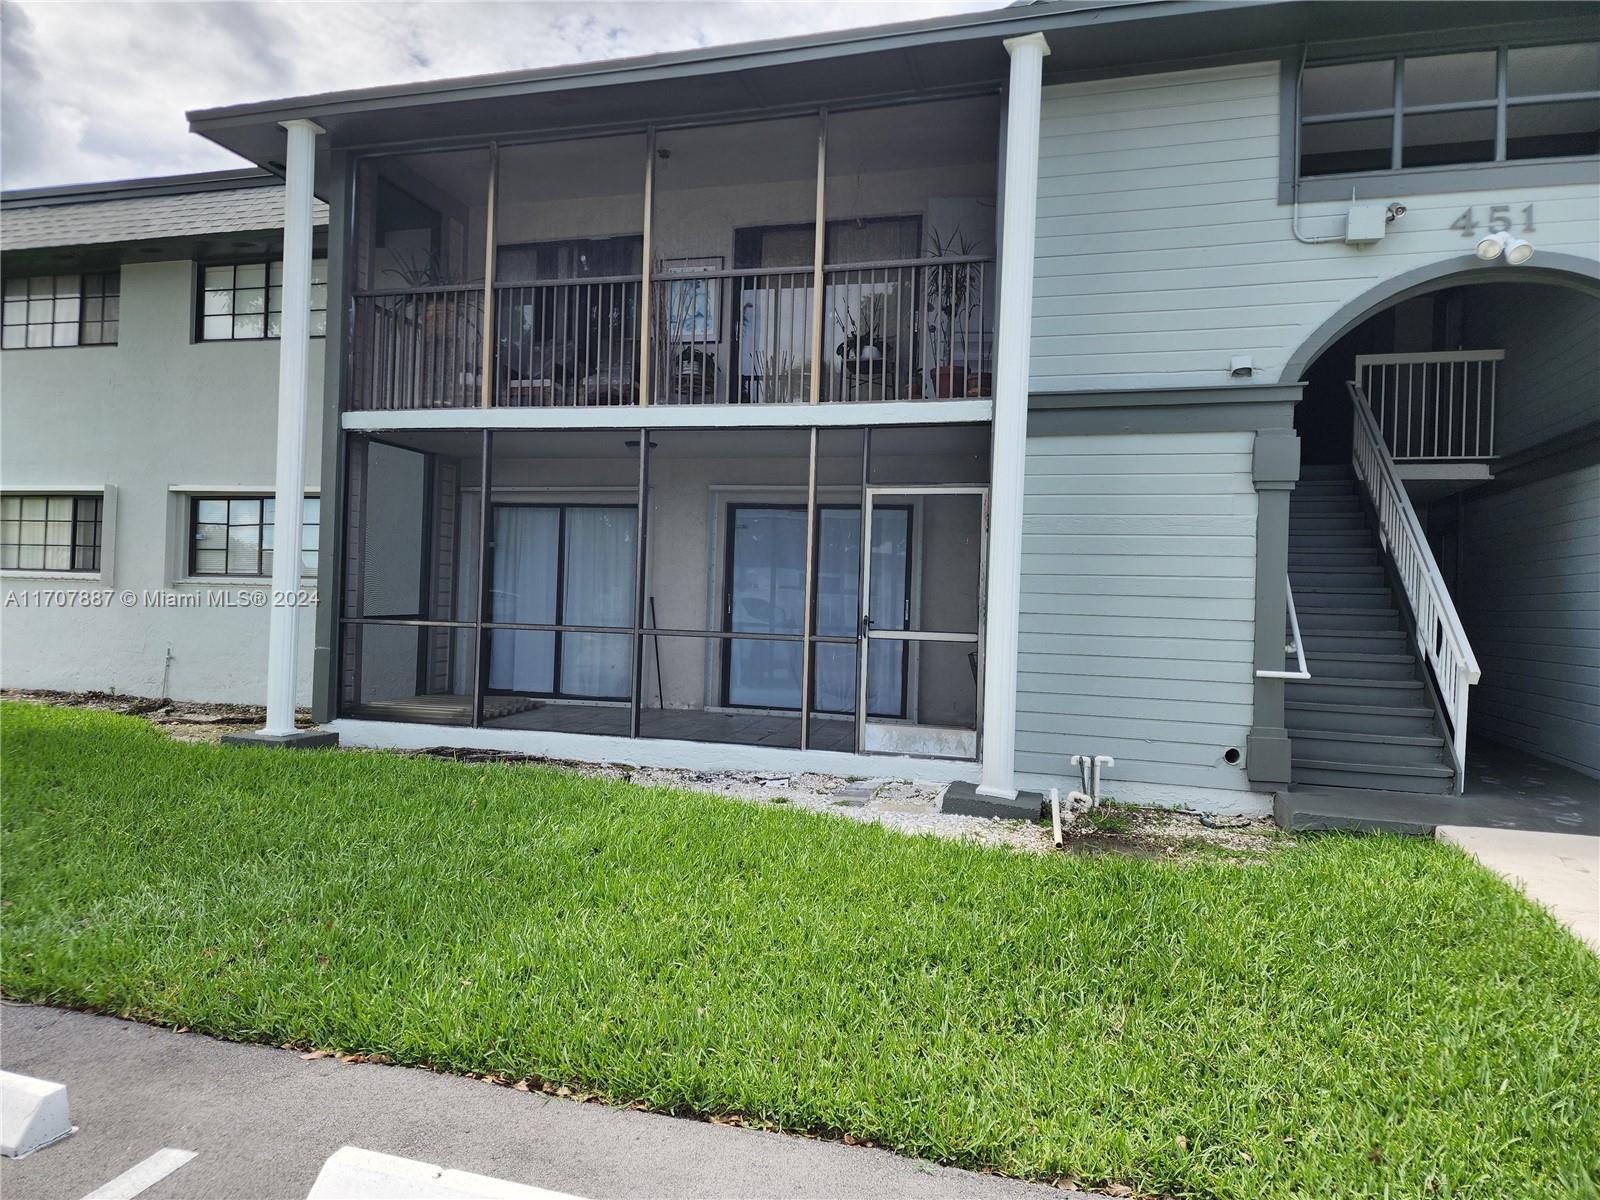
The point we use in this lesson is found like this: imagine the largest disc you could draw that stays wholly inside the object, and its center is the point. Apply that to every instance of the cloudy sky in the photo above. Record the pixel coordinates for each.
(97, 90)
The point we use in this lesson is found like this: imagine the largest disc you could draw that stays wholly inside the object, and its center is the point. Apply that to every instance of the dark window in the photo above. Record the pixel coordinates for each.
(244, 301)
(50, 533)
(234, 535)
(61, 310)
(1427, 110)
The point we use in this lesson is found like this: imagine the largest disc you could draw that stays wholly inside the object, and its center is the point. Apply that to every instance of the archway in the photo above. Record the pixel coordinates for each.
(1506, 492)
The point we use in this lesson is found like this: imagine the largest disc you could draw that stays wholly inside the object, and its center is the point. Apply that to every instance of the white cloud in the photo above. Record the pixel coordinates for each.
(94, 91)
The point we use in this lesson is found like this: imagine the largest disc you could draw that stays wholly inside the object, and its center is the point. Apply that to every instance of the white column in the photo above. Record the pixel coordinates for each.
(293, 380)
(1011, 415)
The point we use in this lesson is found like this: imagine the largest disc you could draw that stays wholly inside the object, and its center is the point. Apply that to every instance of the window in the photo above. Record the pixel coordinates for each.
(1428, 110)
(233, 535)
(61, 310)
(244, 301)
(50, 533)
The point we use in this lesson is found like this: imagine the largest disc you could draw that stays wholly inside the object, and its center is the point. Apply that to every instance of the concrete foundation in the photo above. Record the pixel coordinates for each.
(300, 739)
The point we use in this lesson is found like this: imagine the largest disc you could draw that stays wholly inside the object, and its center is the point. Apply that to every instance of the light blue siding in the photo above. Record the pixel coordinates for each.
(1529, 596)
(1163, 251)
(1549, 383)
(1138, 598)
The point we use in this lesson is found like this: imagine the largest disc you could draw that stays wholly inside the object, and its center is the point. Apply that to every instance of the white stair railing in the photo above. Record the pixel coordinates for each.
(1433, 407)
(1440, 637)
(1296, 644)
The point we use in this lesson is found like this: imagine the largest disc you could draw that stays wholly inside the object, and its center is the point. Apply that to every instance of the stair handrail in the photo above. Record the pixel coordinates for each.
(1297, 647)
(1440, 635)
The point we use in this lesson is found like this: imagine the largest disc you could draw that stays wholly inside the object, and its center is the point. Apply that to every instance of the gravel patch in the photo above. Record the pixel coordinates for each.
(902, 805)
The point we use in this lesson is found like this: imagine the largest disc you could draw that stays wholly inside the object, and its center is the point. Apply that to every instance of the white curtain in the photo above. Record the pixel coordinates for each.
(597, 589)
(526, 540)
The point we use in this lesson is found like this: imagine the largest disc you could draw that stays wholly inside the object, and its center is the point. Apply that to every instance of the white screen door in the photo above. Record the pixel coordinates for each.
(933, 638)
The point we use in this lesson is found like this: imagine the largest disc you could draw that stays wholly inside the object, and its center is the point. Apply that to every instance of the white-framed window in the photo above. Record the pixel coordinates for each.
(1498, 104)
(234, 536)
(54, 532)
(61, 310)
(244, 301)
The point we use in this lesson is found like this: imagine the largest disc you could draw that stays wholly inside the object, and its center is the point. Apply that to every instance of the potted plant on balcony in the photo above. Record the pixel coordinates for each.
(862, 349)
(950, 294)
(447, 324)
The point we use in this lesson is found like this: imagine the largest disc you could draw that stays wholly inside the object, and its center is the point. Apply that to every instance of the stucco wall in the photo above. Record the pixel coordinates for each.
(1163, 250)
(154, 412)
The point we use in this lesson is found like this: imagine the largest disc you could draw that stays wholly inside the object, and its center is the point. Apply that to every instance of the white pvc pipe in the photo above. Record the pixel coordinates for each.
(1010, 429)
(293, 387)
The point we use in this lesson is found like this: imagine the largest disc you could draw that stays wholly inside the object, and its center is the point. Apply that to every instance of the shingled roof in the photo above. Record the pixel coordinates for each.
(146, 210)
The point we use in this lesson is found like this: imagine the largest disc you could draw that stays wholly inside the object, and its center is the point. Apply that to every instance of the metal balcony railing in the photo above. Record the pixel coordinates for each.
(916, 329)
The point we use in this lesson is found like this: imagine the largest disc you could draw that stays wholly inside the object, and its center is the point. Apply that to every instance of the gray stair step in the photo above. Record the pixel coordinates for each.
(1434, 780)
(1338, 556)
(1354, 641)
(1324, 595)
(1318, 618)
(1335, 576)
(1340, 689)
(1406, 720)
(1361, 664)
(1330, 745)
(1331, 539)
(1325, 522)
(1362, 810)
(1324, 504)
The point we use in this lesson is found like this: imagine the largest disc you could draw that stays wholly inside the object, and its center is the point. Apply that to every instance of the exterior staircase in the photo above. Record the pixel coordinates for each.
(1365, 719)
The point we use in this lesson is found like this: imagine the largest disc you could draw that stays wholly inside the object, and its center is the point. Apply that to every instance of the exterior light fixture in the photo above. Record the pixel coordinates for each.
(1492, 245)
(1242, 366)
(1501, 244)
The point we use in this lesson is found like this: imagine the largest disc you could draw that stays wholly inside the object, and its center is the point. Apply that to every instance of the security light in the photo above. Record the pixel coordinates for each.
(1518, 251)
(1492, 245)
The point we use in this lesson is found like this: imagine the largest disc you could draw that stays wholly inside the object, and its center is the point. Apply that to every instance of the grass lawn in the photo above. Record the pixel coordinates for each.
(1346, 1017)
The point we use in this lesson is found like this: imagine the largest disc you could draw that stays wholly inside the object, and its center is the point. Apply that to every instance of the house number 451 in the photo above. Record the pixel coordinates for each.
(1499, 220)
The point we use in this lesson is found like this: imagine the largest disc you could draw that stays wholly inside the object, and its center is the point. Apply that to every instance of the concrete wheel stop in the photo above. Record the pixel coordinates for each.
(352, 1173)
(33, 1114)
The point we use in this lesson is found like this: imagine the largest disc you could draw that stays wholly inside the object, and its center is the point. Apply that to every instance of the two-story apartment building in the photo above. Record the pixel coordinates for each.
(1210, 387)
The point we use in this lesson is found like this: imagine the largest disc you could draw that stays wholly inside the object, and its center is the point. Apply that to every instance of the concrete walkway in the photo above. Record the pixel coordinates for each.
(1559, 870)
(261, 1122)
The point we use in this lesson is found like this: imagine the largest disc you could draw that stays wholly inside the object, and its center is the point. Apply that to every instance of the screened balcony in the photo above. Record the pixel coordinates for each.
(707, 585)
(837, 258)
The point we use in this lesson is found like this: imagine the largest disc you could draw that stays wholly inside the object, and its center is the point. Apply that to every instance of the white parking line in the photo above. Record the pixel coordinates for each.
(140, 1176)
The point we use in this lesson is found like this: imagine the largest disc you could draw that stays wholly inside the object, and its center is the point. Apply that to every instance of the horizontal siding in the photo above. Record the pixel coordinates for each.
(1137, 610)
(1529, 594)
(1162, 250)
(1550, 380)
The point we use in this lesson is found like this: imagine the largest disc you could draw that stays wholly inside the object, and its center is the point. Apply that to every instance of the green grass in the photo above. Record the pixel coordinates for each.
(1348, 1018)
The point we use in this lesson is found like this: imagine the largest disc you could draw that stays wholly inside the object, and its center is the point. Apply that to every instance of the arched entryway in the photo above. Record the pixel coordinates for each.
(1483, 386)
